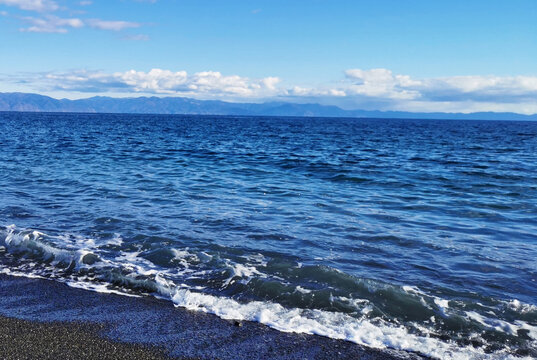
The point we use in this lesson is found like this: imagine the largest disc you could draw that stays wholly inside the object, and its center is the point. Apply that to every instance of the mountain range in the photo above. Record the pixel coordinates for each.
(180, 105)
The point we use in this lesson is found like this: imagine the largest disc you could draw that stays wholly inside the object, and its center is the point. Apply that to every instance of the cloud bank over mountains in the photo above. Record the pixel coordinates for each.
(456, 93)
(378, 89)
(157, 81)
(382, 83)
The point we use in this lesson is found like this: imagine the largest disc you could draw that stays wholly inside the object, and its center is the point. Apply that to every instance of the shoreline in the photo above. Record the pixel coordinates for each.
(83, 322)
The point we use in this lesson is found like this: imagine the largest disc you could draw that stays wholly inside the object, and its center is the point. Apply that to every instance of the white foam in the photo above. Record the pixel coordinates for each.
(241, 271)
(184, 257)
(300, 289)
(330, 324)
(496, 324)
(117, 240)
(521, 307)
(362, 305)
(100, 288)
(257, 259)
(136, 264)
(30, 242)
(532, 330)
(182, 254)
(203, 256)
(10, 272)
(442, 304)
(412, 289)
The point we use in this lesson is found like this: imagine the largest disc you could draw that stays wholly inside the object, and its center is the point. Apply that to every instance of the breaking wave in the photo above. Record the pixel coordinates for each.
(289, 297)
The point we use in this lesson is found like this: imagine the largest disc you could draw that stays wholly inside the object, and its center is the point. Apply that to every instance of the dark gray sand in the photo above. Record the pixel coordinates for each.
(22, 339)
(49, 320)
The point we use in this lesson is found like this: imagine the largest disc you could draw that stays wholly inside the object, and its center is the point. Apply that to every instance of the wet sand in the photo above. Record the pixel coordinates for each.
(42, 319)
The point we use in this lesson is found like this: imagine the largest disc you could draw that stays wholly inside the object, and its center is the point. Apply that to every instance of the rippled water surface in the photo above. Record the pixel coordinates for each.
(410, 234)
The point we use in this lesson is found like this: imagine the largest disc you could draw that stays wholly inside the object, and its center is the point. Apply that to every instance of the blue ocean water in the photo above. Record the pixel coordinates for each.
(418, 235)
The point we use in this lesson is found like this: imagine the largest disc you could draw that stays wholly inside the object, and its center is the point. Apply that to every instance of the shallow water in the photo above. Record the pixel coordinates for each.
(409, 234)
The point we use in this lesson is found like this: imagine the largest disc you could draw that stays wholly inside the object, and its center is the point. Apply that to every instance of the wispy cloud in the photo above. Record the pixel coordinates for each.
(32, 5)
(48, 23)
(55, 24)
(299, 91)
(51, 24)
(111, 25)
(136, 37)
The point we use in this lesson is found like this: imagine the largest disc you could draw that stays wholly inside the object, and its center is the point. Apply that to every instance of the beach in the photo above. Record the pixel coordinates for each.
(49, 320)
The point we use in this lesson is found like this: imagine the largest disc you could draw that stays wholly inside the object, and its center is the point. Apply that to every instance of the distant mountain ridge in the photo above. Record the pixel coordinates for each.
(180, 105)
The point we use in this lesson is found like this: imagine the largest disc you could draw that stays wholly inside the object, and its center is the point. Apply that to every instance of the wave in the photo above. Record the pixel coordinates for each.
(111, 266)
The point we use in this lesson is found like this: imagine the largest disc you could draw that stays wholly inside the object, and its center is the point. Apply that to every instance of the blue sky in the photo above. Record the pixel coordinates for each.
(411, 55)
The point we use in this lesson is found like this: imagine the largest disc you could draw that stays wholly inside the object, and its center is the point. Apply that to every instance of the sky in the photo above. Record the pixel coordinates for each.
(406, 55)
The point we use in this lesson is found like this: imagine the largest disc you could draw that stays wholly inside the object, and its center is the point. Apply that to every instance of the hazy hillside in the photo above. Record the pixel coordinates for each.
(179, 105)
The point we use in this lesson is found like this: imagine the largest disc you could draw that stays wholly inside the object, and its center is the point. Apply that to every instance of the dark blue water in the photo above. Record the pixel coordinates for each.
(411, 234)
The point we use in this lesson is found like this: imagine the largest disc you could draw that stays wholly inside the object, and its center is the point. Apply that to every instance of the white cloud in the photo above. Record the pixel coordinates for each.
(136, 37)
(271, 82)
(299, 91)
(207, 84)
(381, 83)
(484, 88)
(51, 24)
(156, 80)
(32, 5)
(55, 24)
(111, 25)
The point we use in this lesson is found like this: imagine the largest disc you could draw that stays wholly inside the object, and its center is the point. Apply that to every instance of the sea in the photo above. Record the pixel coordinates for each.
(416, 235)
